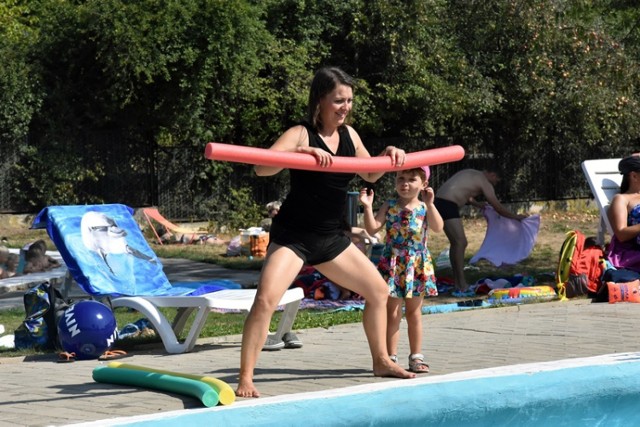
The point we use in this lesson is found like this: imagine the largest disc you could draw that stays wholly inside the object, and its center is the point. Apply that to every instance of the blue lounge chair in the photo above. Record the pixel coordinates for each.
(108, 256)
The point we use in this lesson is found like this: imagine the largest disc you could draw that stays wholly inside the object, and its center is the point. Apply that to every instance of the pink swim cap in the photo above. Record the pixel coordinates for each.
(427, 171)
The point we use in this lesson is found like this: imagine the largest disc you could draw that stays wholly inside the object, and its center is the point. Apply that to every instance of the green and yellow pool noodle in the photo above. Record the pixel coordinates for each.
(154, 380)
(225, 393)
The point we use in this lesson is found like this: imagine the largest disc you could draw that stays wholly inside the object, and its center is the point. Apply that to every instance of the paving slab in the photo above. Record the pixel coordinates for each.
(37, 391)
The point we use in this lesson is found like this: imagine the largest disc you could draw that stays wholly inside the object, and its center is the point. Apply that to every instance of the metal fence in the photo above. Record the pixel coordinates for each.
(8, 158)
(167, 181)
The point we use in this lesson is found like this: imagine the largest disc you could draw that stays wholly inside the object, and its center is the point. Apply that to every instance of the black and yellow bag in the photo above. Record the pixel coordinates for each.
(43, 306)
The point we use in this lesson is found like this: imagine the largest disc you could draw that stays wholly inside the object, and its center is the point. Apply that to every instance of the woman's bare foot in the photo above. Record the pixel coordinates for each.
(384, 367)
(247, 389)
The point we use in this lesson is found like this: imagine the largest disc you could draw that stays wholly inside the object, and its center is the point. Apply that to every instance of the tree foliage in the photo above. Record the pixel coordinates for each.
(515, 79)
(562, 84)
(19, 94)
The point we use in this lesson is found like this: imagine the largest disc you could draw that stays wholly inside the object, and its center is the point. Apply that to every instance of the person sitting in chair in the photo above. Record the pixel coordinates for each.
(11, 266)
(36, 258)
(624, 217)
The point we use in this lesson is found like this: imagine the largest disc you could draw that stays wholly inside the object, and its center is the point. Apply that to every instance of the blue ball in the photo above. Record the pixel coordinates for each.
(88, 329)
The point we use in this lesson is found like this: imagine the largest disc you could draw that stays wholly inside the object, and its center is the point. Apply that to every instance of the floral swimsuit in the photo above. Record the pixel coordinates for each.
(406, 263)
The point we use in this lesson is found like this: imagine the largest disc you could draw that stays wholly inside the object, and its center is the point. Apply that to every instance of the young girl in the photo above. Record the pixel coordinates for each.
(406, 263)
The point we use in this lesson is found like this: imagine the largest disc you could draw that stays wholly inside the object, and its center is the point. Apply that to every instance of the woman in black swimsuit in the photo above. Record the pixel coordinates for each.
(309, 227)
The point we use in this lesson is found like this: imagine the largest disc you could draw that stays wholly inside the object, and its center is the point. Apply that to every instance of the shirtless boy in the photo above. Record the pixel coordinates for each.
(462, 188)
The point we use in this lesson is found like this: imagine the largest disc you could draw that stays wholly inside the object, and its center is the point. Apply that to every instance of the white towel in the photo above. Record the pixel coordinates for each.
(507, 241)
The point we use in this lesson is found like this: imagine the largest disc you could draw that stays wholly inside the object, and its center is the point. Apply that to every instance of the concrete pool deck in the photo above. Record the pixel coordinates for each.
(36, 391)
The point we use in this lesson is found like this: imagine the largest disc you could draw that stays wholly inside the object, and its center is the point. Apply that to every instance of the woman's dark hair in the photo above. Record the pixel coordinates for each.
(325, 80)
(626, 166)
(624, 185)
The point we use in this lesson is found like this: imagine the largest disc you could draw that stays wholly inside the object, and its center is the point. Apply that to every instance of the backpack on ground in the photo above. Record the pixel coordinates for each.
(43, 306)
(580, 266)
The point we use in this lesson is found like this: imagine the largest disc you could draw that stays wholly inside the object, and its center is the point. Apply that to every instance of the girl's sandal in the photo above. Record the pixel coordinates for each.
(417, 365)
(393, 358)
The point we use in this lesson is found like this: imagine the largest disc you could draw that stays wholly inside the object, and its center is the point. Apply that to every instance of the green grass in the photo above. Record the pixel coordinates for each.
(540, 264)
(210, 254)
(218, 324)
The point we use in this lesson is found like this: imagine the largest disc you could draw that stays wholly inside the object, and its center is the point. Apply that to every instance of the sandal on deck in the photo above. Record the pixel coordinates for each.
(65, 357)
(417, 365)
(113, 354)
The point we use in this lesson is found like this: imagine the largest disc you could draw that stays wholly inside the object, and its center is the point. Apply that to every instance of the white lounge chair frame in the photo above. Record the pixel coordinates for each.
(231, 299)
(169, 331)
(604, 180)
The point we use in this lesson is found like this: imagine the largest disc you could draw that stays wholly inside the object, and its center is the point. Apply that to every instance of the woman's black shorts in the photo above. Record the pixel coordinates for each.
(312, 247)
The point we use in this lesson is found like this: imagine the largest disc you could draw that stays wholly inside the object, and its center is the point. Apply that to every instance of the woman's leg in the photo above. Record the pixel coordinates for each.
(413, 314)
(394, 316)
(278, 272)
(353, 270)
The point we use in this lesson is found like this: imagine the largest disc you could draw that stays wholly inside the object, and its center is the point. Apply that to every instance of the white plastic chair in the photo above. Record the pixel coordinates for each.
(604, 180)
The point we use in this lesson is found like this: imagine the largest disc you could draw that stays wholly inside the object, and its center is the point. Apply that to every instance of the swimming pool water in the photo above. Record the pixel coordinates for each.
(597, 391)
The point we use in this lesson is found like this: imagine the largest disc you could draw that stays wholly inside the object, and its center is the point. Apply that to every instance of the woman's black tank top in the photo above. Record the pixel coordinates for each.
(317, 200)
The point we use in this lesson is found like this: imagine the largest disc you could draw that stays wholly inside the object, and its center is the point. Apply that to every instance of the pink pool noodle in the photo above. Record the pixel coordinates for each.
(291, 160)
